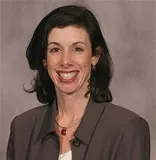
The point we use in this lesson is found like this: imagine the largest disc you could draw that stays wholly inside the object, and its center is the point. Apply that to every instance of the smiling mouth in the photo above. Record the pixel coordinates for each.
(67, 75)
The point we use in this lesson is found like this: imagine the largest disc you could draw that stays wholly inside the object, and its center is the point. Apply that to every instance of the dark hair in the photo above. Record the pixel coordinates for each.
(37, 49)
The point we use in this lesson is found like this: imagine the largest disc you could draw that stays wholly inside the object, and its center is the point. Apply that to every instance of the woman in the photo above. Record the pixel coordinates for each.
(77, 122)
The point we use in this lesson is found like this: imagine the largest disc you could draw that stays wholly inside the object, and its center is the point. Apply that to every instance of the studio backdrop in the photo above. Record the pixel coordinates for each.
(129, 27)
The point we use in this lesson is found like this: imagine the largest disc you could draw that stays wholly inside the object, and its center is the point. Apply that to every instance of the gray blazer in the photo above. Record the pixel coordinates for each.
(107, 132)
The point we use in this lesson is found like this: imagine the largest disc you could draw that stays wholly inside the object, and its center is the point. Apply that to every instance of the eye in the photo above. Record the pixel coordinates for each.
(55, 49)
(78, 49)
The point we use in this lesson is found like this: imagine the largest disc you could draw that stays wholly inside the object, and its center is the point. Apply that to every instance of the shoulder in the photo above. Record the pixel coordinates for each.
(120, 119)
(119, 112)
(131, 131)
(118, 124)
(28, 118)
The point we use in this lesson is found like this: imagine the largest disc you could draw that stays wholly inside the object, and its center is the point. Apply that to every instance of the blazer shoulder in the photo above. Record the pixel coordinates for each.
(116, 120)
(119, 110)
(30, 116)
(121, 116)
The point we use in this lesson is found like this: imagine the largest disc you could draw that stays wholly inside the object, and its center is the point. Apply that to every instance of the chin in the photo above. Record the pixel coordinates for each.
(68, 90)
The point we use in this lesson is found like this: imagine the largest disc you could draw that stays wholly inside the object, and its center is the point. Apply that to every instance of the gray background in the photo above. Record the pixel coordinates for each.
(129, 27)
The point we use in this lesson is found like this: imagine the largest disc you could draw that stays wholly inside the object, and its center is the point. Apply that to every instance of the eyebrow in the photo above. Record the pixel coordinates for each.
(58, 44)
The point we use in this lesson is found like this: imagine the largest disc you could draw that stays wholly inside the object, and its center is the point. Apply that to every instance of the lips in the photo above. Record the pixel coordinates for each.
(67, 76)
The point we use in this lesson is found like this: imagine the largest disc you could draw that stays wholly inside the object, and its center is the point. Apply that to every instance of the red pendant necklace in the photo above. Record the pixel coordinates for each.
(64, 129)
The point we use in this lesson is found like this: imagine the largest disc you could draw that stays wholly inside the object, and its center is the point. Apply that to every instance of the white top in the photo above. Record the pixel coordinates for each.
(66, 156)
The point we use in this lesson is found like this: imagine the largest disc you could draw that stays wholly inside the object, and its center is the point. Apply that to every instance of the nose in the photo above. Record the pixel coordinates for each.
(66, 59)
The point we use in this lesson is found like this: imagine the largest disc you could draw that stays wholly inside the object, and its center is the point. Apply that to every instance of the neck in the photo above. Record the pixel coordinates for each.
(71, 106)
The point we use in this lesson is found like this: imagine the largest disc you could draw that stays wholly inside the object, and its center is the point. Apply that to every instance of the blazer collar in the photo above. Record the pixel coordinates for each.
(48, 124)
(90, 121)
(87, 126)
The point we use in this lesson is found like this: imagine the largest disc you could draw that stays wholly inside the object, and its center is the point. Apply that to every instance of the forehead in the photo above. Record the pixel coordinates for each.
(69, 33)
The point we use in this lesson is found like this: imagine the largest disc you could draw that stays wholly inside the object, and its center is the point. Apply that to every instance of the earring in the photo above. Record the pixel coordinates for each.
(93, 68)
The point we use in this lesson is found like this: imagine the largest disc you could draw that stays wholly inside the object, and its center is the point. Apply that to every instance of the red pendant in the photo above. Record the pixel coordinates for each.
(64, 131)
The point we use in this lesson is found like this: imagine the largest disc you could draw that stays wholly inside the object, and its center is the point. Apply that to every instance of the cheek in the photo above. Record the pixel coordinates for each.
(86, 62)
(51, 65)
(85, 65)
(51, 62)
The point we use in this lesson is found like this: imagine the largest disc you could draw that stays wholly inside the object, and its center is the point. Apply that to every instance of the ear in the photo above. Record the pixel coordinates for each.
(44, 63)
(95, 60)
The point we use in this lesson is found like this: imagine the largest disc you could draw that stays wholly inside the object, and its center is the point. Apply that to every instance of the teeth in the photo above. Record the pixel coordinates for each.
(68, 75)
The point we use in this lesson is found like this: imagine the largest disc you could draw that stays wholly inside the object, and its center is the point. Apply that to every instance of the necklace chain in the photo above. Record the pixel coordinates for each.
(64, 129)
(69, 126)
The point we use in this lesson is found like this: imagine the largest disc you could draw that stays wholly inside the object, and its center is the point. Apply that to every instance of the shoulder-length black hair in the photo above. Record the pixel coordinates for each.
(37, 50)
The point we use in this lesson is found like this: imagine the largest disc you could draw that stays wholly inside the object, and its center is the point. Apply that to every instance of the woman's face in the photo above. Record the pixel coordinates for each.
(69, 59)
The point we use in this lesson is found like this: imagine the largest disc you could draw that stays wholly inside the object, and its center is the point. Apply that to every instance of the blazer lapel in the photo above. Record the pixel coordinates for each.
(85, 131)
(46, 145)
